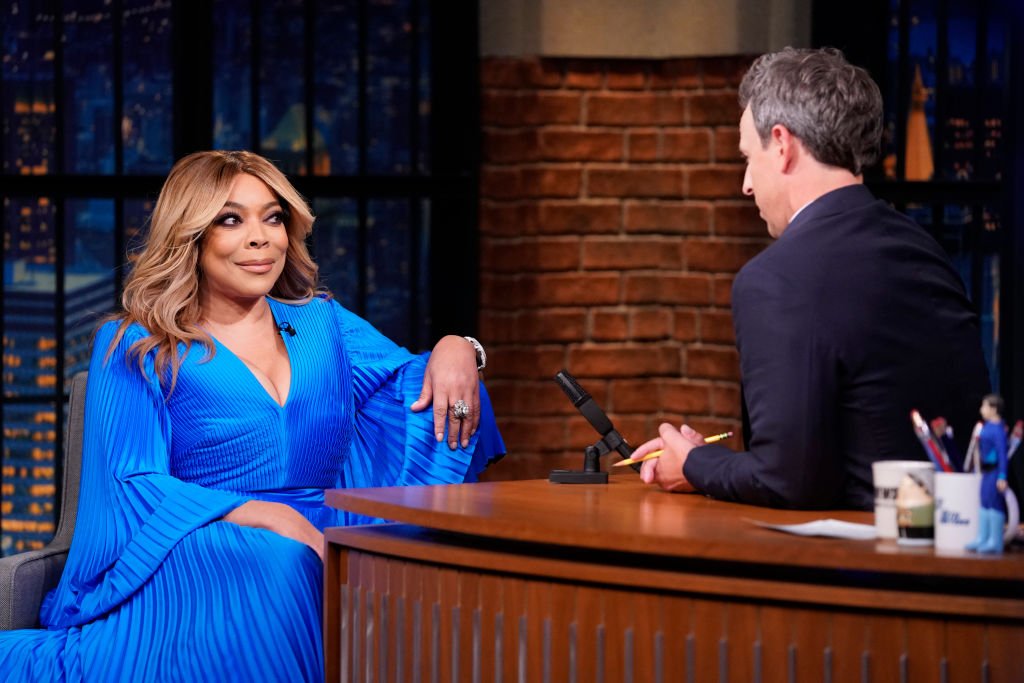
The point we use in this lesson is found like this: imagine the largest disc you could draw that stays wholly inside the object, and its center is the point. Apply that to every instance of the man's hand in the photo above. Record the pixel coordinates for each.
(667, 471)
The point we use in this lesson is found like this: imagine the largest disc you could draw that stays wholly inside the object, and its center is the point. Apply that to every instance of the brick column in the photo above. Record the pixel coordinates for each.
(612, 223)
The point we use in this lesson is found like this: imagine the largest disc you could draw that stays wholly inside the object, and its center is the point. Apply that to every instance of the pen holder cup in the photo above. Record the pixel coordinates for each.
(957, 500)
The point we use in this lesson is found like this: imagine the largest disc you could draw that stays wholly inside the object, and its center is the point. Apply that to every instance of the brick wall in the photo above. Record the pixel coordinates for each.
(612, 224)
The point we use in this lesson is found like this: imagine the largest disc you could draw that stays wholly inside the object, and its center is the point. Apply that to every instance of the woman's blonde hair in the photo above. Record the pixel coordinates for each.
(162, 291)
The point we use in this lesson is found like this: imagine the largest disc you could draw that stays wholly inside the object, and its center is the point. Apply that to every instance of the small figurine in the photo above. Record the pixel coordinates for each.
(992, 459)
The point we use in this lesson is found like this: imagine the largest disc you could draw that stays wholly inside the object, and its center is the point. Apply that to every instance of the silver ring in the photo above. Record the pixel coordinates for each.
(460, 411)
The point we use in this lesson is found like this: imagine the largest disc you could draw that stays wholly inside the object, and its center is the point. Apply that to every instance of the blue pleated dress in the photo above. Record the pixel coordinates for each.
(155, 587)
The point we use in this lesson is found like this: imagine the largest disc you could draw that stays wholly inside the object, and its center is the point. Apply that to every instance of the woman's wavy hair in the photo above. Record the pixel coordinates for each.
(162, 290)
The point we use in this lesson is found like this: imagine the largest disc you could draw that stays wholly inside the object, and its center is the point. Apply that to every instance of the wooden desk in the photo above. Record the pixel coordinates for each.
(532, 581)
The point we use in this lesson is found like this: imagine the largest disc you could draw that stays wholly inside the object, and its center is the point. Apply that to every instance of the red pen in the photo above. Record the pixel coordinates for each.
(935, 452)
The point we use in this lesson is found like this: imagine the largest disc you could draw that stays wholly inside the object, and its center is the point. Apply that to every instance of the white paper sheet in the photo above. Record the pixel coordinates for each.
(832, 528)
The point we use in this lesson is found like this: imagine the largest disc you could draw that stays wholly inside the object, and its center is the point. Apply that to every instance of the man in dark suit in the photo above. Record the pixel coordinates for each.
(850, 320)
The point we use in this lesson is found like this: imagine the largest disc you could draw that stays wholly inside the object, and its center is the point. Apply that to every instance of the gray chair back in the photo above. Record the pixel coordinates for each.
(27, 577)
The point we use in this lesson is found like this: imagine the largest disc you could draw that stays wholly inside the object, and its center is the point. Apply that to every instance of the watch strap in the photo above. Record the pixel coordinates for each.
(481, 355)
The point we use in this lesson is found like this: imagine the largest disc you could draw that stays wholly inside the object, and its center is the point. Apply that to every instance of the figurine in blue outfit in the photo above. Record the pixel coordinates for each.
(992, 456)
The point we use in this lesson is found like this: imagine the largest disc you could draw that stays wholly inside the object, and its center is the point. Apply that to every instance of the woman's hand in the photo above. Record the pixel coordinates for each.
(279, 518)
(451, 376)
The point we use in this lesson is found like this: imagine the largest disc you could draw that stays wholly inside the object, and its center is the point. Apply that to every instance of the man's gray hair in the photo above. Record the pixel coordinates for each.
(833, 107)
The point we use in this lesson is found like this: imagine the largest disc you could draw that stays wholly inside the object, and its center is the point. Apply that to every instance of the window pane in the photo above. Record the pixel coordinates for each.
(282, 84)
(88, 276)
(232, 76)
(970, 236)
(988, 307)
(389, 265)
(26, 503)
(421, 284)
(336, 249)
(954, 236)
(988, 296)
(136, 222)
(992, 157)
(962, 36)
(389, 90)
(959, 141)
(922, 213)
(424, 91)
(890, 135)
(147, 121)
(336, 92)
(28, 90)
(89, 89)
(30, 359)
(918, 147)
(397, 275)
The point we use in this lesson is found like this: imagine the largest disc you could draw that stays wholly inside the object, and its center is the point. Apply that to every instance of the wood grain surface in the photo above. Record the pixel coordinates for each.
(628, 516)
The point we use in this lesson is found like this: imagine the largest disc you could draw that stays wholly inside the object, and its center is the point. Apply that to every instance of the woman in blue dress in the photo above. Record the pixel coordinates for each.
(222, 402)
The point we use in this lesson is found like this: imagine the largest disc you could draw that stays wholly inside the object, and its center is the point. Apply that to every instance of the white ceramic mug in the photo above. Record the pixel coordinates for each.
(957, 499)
(887, 475)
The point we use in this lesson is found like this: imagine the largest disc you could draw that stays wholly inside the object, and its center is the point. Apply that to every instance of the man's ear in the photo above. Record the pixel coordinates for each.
(785, 146)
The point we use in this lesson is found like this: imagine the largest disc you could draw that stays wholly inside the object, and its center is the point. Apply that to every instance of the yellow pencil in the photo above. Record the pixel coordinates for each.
(657, 454)
(718, 437)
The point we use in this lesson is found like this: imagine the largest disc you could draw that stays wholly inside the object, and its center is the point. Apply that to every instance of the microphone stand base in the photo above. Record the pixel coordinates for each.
(577, 477)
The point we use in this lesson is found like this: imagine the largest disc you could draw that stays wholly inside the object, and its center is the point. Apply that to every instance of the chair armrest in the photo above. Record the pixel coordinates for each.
(25, 579)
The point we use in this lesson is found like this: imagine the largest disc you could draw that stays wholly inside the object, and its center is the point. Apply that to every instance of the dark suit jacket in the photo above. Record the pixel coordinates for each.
(852, 318)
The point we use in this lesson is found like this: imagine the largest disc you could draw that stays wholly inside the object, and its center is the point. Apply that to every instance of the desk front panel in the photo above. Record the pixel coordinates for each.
(408, 604)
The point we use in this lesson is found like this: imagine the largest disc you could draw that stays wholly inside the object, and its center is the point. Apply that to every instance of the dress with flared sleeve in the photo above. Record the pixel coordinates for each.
(156, 587)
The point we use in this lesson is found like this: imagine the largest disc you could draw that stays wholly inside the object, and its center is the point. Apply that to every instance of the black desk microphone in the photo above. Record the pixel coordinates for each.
(610, 439)
(588, 407)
